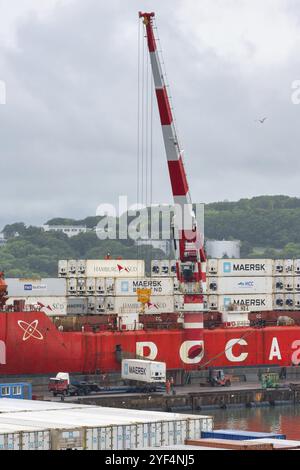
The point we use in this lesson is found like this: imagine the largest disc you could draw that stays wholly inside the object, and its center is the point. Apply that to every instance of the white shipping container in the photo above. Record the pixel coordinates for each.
(62, 268)
(51, 306)
(115, 268)
(240, 285)
(72, 285)
(110, 285)
(100, 285)
(90, 285)
(284, 301)
(157, 304)
(81, 285)
(143, 371)
(297, 266)
(240, 267)
(158, 286)
(297, 284)
(251, 303)
(81, 267)
(45, 287)
(72, 268)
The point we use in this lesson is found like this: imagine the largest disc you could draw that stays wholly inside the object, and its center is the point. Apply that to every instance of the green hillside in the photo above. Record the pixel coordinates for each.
(268, 226)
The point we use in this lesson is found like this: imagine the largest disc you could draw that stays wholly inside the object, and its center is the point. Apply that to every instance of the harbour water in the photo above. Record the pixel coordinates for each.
(280, 419)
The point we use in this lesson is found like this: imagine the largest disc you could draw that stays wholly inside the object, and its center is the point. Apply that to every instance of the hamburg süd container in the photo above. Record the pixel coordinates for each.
(51, 306)
(130, 304)
(115, 268)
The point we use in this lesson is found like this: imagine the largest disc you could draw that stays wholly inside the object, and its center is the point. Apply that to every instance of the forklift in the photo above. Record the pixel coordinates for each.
(217, 378)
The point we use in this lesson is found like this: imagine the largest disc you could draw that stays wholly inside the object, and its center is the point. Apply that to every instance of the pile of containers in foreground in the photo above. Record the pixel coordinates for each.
(34, 425)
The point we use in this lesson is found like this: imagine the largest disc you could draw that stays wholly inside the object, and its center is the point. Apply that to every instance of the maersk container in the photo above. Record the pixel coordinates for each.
(51, 306)
(158, 286)
(251, 303)
(297, 284)
(77, 305)
(157, 304)
(45, 287)
(115, 268)
(240, 267)
(143, 371)
(240, 285)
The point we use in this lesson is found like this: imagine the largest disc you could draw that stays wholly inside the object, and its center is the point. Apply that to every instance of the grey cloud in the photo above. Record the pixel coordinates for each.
(68, 131)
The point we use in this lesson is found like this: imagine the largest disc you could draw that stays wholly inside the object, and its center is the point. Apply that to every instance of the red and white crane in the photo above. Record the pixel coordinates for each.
(188, 241)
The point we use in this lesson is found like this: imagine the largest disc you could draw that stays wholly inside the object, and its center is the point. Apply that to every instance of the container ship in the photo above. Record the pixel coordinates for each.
(191, 313)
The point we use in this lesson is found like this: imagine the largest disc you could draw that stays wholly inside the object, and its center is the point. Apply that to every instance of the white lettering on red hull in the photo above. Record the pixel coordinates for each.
(185, 349)
(275, 350)
(141, 350)
(2, 353)
(296, 354)
(229, 350)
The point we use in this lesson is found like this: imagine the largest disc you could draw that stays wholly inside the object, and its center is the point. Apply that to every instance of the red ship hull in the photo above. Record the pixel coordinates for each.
(31, 344)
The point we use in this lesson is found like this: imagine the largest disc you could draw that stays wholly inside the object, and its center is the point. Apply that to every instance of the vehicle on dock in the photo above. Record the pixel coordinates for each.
(62, 385)
(217, 377)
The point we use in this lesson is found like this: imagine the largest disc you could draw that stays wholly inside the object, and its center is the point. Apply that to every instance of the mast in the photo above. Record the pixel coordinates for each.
(188, 242)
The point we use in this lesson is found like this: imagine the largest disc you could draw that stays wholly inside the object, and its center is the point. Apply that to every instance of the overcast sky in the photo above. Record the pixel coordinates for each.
(68, 131)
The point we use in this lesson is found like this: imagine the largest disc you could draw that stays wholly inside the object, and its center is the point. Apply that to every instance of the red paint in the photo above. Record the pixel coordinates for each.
(164, 107)
(179, 182)
(86, 351)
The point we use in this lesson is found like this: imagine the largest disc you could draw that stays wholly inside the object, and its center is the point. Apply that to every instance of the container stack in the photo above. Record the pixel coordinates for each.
(33, 425)
(253, 284)
(110, 287)
(47, 295)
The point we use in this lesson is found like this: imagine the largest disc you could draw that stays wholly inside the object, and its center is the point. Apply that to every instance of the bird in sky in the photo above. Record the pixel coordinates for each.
(261, 120)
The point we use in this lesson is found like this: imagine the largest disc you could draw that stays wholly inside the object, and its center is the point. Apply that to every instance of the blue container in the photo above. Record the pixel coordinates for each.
(238, 435)
(20, 390)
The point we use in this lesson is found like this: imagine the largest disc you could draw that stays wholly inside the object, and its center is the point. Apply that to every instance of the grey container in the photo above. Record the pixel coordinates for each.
(46, 287)
(77, 305)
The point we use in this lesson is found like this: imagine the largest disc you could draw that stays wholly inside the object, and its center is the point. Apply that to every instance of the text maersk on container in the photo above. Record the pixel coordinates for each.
(228, 267)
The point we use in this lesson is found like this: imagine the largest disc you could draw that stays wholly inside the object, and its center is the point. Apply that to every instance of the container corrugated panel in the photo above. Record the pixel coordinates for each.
(236, 434)
(77, 305)
(51, 306)
(47, 287)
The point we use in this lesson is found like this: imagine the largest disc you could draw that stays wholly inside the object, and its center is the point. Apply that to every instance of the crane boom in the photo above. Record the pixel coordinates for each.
(189, 250)
(190, 256)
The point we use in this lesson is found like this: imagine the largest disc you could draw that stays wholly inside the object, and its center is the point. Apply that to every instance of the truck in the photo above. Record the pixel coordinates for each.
(62, 385)
(147, 375)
